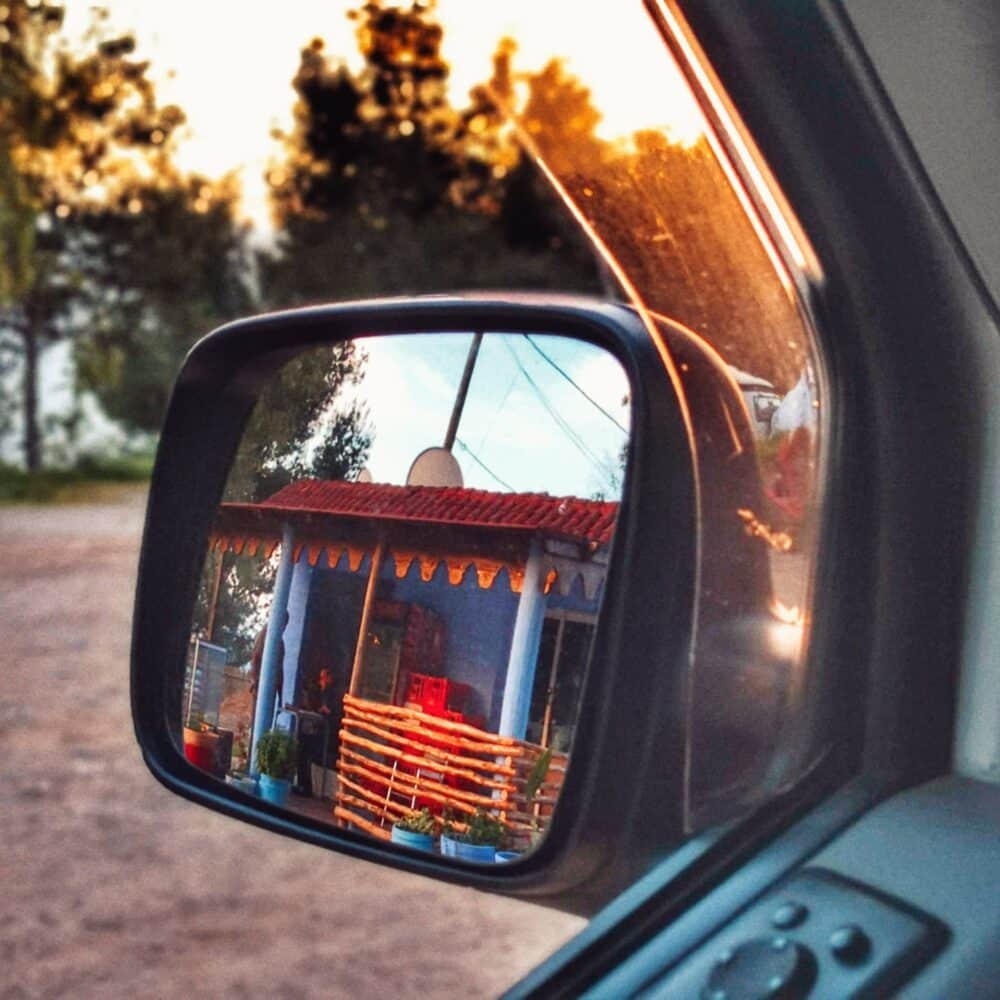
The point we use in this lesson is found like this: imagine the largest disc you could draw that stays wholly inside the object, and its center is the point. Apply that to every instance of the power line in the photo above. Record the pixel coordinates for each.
(475, 458)
(499, 410)
(557, 417)
(590, 399)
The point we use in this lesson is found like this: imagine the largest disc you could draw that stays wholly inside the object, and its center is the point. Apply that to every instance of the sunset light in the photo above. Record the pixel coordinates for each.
(231, 73)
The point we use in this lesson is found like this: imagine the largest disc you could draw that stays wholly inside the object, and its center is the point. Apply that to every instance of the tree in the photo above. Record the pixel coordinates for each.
(149, 284)
(385, 186)
(304, 424)
(668, 215)
(75, 132)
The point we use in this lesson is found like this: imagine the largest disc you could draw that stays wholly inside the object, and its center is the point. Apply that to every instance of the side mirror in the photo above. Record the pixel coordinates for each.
(431, 564)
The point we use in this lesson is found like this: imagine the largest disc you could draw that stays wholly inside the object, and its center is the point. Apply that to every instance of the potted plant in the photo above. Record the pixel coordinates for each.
(532, 786)
(479, 842)
(201, 744)
(276, 757)
(416, 830)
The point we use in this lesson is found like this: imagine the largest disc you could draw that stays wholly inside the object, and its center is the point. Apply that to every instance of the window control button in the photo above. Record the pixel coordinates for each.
(789, 915)
(850, 944)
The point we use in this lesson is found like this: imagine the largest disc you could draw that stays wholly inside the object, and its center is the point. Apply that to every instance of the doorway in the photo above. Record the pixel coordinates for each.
(555, 694)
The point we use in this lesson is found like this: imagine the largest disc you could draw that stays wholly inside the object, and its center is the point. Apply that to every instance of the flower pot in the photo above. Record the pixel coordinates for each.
(200, 749)
(418, 841)
(274, 789)
(243, 782)
(502, 856)
(483, 853)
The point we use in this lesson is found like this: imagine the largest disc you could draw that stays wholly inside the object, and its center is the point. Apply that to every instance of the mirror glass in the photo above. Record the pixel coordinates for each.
(403, 583)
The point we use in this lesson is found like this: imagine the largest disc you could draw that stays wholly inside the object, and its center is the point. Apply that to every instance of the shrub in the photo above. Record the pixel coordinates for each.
(277, 754)
(419, 822)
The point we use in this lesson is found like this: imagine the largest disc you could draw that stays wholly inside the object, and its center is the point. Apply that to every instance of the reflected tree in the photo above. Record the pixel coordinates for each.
(305, 423)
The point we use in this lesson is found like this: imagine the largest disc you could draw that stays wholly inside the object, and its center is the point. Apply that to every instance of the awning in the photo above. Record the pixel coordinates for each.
(340, 522)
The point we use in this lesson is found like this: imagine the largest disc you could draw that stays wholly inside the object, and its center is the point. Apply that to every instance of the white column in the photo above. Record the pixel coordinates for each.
(268, 680)
(298, 602)
(524, 648)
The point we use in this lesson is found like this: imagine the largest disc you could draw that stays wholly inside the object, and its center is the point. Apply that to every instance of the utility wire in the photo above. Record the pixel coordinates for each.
(499, 410)
(559, 420)
(590, 399)
(482, 465)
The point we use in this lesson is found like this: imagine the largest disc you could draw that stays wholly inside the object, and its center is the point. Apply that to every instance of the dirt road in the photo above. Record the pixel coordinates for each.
(112, 887)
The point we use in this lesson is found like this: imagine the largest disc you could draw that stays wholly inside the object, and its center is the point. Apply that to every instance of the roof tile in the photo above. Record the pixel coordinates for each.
(571, 518)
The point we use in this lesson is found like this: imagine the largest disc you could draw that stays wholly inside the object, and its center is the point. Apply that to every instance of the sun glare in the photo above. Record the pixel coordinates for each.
(231, 70)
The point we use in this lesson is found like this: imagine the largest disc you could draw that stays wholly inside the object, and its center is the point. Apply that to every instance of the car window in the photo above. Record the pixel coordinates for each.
(417, 133)
(643, 171)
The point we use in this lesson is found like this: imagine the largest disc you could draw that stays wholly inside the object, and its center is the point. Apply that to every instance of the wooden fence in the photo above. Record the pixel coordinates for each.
(393, 761)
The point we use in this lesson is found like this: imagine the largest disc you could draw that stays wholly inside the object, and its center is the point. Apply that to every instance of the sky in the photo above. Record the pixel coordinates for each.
(526, 425)
(229, 65)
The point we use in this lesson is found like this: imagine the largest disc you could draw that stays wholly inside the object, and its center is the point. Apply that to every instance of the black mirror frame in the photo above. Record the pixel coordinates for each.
(605, 830)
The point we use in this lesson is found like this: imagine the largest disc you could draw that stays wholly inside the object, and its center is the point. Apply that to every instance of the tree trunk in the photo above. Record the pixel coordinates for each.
(32, 436)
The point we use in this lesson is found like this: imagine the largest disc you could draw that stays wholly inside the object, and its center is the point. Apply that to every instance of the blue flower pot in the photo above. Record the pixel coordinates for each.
(418, 841)
(244, 783)
(507, 856)
(481, 853)
(274, 790)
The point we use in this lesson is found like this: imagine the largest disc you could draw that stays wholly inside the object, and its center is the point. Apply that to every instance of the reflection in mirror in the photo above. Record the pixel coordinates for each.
(403, 583)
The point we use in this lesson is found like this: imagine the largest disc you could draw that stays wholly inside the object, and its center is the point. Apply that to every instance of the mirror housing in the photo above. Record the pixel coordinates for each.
(623, 802)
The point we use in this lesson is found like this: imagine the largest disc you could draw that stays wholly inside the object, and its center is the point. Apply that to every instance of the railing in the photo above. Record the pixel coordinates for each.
(393, 761)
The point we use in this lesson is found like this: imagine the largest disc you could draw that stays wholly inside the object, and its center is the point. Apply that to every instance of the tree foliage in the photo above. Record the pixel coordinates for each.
(386, 187)
(151, 283)
(78, 133)
(674, 224)
(303, 424)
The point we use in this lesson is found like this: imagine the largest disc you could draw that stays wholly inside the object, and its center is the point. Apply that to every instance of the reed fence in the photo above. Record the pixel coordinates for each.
(394, 761)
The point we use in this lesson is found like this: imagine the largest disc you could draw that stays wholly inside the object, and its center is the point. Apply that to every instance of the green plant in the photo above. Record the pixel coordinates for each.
(241, 741)
(196, 721)
(537, 774)
(277, 754)
(419, 822)
(484, 829)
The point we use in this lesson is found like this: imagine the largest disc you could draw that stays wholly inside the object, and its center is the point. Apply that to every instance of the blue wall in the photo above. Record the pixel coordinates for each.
(478, 623)
(478, 628)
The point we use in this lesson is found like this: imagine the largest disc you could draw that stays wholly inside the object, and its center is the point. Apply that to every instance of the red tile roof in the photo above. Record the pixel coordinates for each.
(570, 518)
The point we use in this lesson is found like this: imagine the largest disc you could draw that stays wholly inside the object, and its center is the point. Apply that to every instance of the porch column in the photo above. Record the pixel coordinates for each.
(268, 681)
(524, 648)
(298, 605)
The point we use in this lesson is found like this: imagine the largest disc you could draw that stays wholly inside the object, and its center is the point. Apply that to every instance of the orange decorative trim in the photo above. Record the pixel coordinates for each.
(456, 570)
(403, 561)
(486, 573)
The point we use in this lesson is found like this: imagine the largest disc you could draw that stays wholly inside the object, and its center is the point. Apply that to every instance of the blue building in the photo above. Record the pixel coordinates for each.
(494, 593)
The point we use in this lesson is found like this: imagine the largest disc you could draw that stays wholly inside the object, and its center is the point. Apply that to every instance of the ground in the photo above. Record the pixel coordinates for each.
(114, 887)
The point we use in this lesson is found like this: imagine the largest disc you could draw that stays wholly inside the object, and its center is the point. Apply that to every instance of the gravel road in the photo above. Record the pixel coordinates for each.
(113, 887)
